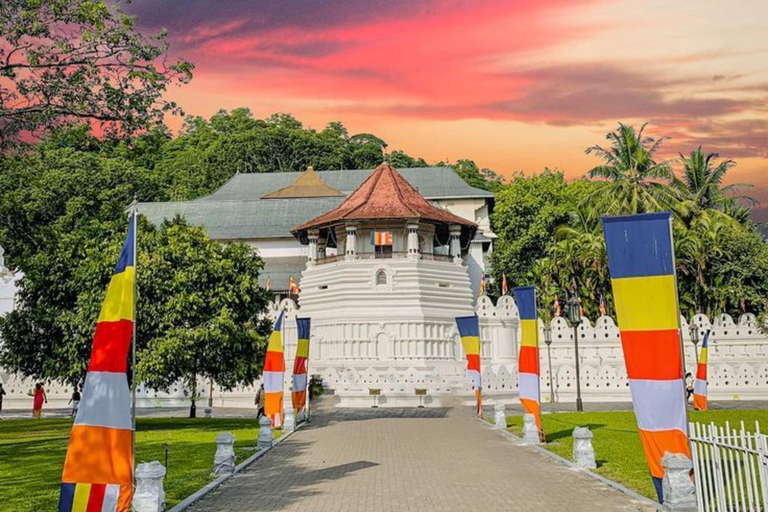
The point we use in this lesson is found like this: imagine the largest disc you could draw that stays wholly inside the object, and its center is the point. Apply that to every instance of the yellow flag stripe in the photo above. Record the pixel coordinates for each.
(275, 342)
(646, 303)
(302, 349)
(118, 305)
(80, 502)
(471, 345)
(530, 333)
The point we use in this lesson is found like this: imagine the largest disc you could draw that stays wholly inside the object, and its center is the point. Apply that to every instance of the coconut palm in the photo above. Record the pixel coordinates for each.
(634, 179)
(702, 183)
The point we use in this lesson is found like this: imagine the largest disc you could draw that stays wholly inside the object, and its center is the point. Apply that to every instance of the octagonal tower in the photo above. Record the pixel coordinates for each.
(383, 283)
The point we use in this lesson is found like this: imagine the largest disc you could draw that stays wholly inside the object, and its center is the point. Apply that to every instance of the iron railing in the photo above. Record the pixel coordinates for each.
(730, 468)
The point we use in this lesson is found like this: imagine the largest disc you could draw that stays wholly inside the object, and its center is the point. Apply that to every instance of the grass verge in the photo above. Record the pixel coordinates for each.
(618, 451)
(32, 456)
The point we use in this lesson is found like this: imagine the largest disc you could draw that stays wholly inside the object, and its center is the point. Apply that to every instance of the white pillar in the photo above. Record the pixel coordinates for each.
(224, 459)
(583, 451)
(455, 232)
(149, 495)
(351, 244)
(312, 257)
(413, 240)
(321, 246)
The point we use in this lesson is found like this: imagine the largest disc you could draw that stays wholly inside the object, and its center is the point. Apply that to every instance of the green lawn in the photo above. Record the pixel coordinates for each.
(32, 455)
(616, 441)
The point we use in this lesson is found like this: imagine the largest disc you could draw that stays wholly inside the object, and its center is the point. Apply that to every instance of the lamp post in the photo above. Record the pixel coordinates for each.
(575, 317)
(694, 330)
(548, 341)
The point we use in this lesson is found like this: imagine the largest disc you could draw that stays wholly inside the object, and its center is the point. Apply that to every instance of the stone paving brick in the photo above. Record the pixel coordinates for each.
(408, 460)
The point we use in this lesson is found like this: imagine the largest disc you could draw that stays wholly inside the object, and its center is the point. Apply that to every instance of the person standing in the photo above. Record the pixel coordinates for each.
(37, 404)
(688, 385)
(2, 394)
(75, 401)
(259, 402)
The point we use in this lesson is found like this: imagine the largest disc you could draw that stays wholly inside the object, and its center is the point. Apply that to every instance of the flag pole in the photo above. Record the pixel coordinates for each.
(134, 220)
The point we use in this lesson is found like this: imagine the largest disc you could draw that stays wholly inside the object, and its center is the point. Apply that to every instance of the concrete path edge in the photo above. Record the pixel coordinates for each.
(215, 484)
(562, 460)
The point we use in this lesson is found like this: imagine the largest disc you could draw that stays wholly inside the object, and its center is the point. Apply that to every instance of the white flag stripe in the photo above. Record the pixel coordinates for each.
(700, 387)
(474, 377)
(110, 498)
(299, 382)
(105, 401)
(529, 386)
(659, 404)
(273, 382)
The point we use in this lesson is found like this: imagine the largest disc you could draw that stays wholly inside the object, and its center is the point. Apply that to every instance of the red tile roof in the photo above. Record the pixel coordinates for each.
(384, 195)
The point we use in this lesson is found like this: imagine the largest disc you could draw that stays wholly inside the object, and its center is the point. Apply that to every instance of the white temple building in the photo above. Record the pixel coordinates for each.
(384, 304)
(385, 260)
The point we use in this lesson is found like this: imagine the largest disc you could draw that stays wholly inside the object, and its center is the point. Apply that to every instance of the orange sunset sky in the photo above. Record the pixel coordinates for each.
(515, 85)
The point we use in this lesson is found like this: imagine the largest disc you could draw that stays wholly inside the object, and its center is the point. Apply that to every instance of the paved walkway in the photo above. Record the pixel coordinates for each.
(404, 460)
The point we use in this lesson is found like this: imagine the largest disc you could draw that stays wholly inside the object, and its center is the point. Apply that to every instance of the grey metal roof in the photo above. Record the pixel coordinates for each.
(280, 271)
(234, 220)
(432, 183)
(236, 211)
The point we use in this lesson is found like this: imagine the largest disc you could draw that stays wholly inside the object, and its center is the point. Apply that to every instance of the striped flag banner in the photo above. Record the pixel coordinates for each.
(381, 238)
(641, 264)
(299, 378)
(469, 330)
(274, 373)
(528, 361)
(700, 383)
(98, 469)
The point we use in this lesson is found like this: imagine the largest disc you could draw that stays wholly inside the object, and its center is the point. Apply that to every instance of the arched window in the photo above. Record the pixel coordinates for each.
(381, 278)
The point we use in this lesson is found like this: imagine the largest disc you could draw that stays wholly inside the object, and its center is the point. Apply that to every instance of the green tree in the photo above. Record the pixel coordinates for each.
(80, 60)
(199, 310)
(198, 306)
(527, 214)
(701, 185)
(634, 179)
(469, 171)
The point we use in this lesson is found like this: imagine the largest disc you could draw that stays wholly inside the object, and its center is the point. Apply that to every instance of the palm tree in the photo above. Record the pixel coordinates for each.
(701, 182)
(634, 178)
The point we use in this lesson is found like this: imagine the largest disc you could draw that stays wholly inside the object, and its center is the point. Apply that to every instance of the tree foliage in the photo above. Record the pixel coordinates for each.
(550, 232)
(75, 60)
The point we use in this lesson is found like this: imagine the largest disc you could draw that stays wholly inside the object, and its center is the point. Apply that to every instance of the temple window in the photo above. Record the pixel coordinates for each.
(381, 277)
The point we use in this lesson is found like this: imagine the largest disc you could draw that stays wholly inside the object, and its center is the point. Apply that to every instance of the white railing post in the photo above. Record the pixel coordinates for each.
(730, 468)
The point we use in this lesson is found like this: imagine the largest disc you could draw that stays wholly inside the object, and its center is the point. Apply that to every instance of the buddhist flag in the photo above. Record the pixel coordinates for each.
(469, 330)
(603, 309)
(528, 361)
(700, 383)
(504, 283)
(98, 469)
(299, 380)
(274, 373)
(381, 238)
(482, 286)
(641, 264)
(293, 288)
(556, 307)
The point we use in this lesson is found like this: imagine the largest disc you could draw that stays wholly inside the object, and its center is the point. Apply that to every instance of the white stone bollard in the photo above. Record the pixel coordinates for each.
(583, 452)
(224, 460)
(499, 416)
(265, 433)
(678, 489)
(149, 495)
(209, 412)
(530, 430)
(289, 422)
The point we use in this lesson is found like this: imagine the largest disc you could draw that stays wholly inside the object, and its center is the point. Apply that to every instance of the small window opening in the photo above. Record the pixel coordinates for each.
(381, 277)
